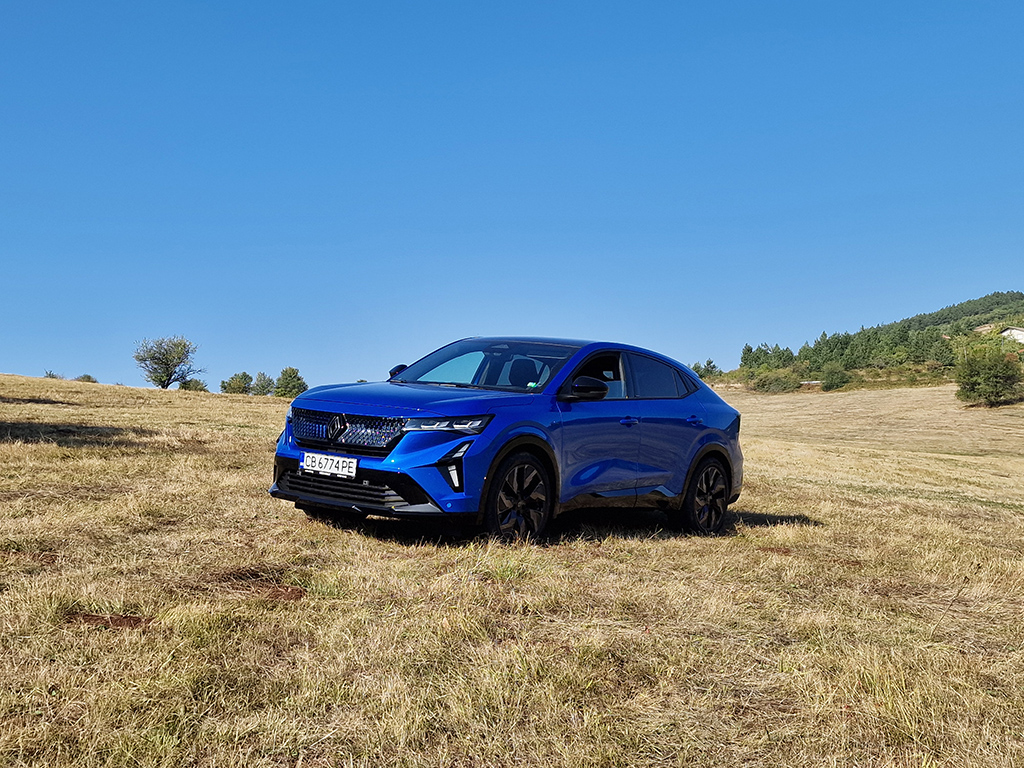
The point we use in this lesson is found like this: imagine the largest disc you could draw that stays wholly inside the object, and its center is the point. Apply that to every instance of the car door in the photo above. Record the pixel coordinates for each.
(671, 424)
(600, 439)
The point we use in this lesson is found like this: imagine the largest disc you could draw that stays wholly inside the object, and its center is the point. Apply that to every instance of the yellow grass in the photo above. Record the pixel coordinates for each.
(865, 608)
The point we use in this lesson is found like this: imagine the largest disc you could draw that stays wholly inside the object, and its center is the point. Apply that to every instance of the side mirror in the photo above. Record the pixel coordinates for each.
(588, 388)
(397, 370)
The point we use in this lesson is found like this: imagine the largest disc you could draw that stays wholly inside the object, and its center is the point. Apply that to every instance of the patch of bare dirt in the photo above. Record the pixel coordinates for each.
(283, 592)
(259, 581)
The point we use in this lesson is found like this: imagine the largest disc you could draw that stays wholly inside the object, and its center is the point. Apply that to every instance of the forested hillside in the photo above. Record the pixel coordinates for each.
(922, 344)
(963, 317)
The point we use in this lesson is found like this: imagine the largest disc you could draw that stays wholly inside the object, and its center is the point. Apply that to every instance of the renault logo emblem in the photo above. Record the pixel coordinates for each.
(337, 426)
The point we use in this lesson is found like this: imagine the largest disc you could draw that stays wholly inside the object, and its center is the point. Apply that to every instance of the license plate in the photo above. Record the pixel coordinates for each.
(326, 464)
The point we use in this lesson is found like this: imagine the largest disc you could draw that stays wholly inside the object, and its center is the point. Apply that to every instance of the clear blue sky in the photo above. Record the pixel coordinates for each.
(342, 187)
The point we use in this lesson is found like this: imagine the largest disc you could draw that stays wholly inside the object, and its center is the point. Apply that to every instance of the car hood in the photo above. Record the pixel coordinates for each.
(391, 398)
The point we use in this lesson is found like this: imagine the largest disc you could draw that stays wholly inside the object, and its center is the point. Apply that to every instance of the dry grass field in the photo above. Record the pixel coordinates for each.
(157, 608)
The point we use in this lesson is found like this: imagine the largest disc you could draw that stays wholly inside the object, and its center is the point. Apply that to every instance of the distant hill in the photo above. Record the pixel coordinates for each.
(925, 339)
(968, 314)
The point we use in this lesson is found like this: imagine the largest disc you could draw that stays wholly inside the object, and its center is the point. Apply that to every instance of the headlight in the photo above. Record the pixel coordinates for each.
(288, 416)
(468, 425)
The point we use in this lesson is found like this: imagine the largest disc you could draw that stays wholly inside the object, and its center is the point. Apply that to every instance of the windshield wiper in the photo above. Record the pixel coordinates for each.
(458, 384)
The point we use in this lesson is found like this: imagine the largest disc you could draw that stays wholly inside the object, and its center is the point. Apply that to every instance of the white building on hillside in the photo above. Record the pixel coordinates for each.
(1014, 333)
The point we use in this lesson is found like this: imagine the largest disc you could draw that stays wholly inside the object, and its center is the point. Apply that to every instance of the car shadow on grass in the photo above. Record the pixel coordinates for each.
(575, 525)
(70, 435)
(597, 524)
(410, 531)
(650, 523)
(743, 518)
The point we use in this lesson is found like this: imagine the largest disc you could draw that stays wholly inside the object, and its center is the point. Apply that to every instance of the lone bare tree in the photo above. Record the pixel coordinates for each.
(166, 361)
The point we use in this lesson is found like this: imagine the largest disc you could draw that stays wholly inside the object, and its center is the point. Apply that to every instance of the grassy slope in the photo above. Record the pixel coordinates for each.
(866, 607)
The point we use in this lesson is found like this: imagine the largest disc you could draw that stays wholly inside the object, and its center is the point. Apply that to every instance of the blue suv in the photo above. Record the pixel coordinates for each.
(510, 432)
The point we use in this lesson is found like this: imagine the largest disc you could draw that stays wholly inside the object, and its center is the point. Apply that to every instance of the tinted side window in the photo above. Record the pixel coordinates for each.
(514, 373)
(686, 384)
(606, 368)
(652, 378)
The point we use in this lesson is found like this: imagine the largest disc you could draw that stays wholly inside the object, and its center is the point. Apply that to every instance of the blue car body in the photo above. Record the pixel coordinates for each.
(621, 450)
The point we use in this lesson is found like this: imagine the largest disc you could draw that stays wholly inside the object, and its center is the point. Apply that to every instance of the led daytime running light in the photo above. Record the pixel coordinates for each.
(470, 425)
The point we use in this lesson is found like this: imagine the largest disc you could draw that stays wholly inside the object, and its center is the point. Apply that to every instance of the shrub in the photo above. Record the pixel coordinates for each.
(774, 382)
(706, 371)
(52, 375)
(88, 378)
(193, 385)
(833, 376)
(238, 384)
(289, 383)
(167, 361)
(262, 385)
(990, 376)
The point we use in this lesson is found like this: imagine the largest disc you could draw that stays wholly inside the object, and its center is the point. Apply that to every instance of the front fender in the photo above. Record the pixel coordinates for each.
(527, 438)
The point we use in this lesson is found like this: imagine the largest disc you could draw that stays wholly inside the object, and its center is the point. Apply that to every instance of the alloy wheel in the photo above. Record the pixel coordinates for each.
(709, 499)
(522, 501)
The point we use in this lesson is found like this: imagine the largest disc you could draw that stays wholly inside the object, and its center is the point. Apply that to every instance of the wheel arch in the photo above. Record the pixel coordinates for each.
(713, 450)
(527, 443)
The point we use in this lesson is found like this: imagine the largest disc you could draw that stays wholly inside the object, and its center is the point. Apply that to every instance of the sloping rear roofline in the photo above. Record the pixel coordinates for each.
(586, 346)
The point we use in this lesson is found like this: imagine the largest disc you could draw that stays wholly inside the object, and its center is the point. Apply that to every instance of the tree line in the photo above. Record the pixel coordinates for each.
(945, 344)
(886, 347)
(288, 384)
(919, 339)
(171, 360)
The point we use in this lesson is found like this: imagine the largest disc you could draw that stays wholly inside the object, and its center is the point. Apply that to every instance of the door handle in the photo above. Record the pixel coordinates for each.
(629, 421)
(695, 420)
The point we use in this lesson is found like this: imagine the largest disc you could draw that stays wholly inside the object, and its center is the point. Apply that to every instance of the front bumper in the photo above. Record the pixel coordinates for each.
(421, 474)
(372, 492)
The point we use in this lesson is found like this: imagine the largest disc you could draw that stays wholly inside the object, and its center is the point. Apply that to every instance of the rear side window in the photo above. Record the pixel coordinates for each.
(653, 379)
(686, 384)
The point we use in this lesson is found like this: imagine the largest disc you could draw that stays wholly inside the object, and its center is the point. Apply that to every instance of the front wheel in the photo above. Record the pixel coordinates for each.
(706, 499)
(519, 501)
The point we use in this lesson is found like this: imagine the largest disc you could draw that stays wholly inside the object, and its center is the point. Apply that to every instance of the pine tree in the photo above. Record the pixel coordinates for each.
(262, 385)
(289, 383)
(238, 384)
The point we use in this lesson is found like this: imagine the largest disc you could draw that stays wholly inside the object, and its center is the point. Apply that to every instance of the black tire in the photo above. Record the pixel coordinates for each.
(519, 500)
(706, 499)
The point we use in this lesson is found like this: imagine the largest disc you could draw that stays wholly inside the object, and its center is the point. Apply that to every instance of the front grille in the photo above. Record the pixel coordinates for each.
(358, 492)
(353, 433)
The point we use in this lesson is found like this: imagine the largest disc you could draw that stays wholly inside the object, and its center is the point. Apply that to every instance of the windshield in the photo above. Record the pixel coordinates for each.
(515, 366)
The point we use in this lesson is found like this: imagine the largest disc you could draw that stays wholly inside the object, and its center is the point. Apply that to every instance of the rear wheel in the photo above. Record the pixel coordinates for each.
(519, 501)
(706, 499)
